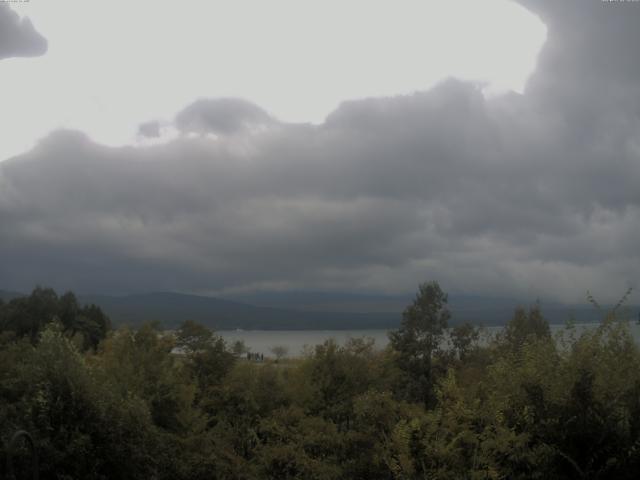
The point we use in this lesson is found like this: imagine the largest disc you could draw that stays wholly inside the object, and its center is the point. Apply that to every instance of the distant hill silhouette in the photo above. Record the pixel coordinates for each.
(476, 309)
(6, 295)
(172, 308)
(313, 310)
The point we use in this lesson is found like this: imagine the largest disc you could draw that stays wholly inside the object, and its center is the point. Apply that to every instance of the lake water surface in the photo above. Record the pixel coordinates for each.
(261, 341)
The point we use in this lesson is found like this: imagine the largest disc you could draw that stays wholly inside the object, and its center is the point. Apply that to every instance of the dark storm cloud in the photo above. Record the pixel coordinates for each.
(535, 193)
(18, 38)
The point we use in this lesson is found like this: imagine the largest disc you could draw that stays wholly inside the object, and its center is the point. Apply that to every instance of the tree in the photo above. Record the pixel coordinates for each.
(525, 326)
(332, 376)
(419, 337)
(68, 310)
(463, 338)
(280, 351)
(239, 348)
(93, 324)
(82, 425)
(206, 353)
(28, 316)
(193, 337)
(140, 363)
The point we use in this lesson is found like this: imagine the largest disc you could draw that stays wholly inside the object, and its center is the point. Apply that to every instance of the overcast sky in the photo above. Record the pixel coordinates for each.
(243, 145)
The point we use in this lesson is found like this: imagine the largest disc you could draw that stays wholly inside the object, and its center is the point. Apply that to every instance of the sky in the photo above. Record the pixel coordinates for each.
(221, 146)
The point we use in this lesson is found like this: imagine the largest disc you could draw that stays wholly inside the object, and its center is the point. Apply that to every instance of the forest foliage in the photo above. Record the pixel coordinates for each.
(437, 403)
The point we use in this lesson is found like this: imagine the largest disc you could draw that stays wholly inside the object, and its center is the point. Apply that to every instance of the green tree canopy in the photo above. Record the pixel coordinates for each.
(419, 337)
(525, 326)
(27, 316)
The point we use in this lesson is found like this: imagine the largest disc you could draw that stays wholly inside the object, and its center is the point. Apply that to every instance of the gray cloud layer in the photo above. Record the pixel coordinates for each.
(535, 194)
(222, 116)
(18, 38)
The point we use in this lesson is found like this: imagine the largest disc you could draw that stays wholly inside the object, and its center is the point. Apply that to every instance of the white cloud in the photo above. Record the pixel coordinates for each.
(109, 68)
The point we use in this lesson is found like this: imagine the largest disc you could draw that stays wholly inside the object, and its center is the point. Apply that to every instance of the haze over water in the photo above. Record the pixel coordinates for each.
(261, 341)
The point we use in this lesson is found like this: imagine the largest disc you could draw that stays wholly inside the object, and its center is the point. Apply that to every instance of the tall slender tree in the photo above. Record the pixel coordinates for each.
(418, 338)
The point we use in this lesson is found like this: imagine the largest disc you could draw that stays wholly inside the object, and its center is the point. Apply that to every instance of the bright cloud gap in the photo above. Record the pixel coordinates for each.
(296, 59)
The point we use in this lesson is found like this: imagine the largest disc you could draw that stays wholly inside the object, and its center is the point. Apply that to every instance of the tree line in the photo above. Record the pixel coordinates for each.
(104, 403)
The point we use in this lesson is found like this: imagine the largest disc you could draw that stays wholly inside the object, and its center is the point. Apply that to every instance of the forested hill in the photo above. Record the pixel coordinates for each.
(476, 309)
(172, 308)
(310, 310)
(314, 311)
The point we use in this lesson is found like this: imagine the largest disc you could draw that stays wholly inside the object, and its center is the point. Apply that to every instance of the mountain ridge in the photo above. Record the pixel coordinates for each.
(312, 310)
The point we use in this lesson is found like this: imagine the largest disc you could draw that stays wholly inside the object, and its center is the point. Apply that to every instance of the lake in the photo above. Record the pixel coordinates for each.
(261, 341)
